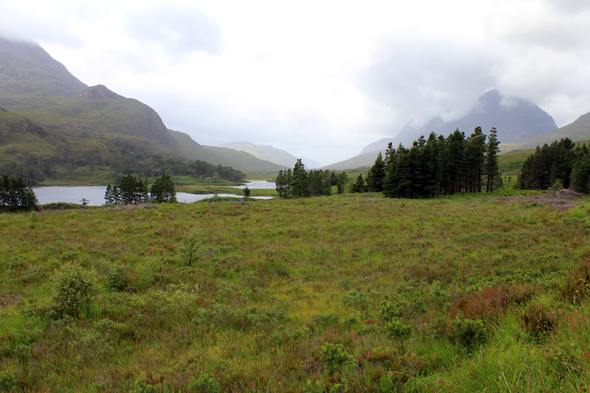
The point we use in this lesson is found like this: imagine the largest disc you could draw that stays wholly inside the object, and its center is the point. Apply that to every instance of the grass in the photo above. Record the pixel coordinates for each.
(276, 286)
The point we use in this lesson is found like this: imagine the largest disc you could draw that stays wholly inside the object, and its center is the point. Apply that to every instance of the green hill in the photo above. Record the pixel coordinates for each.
(95, 126)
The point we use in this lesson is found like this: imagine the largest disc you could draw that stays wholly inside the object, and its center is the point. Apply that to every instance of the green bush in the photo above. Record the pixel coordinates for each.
(117, 278)
(358, 300)
(393, 309)
(8, 382)
(468, 332)
(73, 290)
(191, 247)
(204, 384)
(398, 330)
(334, 356)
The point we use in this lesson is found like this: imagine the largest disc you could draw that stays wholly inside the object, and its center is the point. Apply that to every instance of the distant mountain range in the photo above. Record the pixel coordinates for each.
(50, 116)
(516, 120)
(269, 153)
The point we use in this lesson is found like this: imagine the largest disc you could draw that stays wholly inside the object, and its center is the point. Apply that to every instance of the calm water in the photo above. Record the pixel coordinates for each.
(259, 185)
(95, 195)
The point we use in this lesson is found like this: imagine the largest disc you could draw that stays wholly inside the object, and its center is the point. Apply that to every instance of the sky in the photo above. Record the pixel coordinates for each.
(319, 79)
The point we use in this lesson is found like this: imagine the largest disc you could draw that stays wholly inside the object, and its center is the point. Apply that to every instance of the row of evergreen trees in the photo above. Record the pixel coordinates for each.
(300, 183)
(436, 166)
(15, 193)
(132, 190)
(564, 161)
(173, 167)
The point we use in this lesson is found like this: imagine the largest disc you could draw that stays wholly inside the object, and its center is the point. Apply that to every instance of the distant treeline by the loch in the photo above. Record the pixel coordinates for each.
(35, 171)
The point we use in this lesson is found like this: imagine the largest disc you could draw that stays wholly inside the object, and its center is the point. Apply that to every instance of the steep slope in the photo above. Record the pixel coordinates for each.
(101, 125)
(26, 70)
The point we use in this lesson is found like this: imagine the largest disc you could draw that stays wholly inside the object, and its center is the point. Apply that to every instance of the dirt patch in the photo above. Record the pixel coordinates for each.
(561, 199)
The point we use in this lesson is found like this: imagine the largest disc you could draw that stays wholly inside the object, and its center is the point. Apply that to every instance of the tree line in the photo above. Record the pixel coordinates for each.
(132, 190)
(174, 167)
(299, 183)
(564, 162)
(15, 193)
(436, 166)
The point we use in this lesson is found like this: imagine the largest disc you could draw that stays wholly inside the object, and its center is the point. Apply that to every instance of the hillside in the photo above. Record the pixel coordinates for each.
(99, 125)
(578, 131)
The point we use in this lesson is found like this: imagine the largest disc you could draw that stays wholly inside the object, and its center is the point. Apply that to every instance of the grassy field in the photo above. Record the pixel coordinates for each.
(351, 293)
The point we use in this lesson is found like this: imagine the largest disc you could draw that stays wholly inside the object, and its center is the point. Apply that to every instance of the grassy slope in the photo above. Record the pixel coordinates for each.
(278, 280)
(245, 162)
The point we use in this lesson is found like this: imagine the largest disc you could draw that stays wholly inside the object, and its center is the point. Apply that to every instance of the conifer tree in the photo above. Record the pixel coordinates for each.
(299, 182)
(491, 159)
(359, 185)
(376, 175)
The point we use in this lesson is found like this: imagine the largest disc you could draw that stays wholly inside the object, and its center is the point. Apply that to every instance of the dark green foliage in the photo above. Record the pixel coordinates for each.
(246, 192)
(128, 191)
(469, 333)
(438, 165)
(204, 384)
(117, 278)
(398, 330)
(334, 356)
(299, 181)
(283, 183)
(163, 190)
(560, 160)
(342, 182)
(359, 185)
(8, 382)
(376, 175)
(15, 193)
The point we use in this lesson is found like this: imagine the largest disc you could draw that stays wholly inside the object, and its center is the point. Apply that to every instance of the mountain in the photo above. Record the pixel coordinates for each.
(577, 131)
(516, 120)
(104, 125)
(27, 71)
(270, 153)
(191, 150)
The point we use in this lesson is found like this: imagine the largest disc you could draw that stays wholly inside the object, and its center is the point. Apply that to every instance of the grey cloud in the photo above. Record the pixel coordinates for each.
(17, 23)
(419, 79)
(179, 31)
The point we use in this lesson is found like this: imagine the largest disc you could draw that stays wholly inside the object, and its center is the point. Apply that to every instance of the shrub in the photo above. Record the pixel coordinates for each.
(358, 300)
(8, 382)
(538, 319)
(204, 384)
(117, 278)
(468, 332)
(191, 247)
(334, 356)
(73, 289)
(398, 330)
(393, 309)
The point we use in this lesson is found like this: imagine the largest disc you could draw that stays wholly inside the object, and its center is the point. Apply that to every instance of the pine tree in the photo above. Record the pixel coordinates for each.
(299, 182)
(359, 185)
(491, 159)
(163, 190)
(108, 195)
(376, 175)
(342, 182)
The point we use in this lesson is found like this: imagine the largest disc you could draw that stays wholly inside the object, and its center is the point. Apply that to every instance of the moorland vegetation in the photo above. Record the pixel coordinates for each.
(341, 293)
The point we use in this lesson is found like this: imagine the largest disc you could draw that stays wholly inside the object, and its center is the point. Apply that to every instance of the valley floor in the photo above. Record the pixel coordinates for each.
(344, 293)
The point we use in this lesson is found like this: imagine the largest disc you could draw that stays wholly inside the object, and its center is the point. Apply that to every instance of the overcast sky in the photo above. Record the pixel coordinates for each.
(320, 79)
